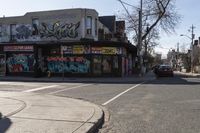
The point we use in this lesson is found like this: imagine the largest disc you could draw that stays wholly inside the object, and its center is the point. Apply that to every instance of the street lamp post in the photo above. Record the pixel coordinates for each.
(191, 46)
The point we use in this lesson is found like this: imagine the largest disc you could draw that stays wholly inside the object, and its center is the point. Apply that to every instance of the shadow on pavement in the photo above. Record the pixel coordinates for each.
(176, 80)
(5, 124)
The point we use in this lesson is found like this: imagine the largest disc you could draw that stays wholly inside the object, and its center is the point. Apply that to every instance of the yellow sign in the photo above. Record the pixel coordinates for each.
(78, 49)
(109, 50)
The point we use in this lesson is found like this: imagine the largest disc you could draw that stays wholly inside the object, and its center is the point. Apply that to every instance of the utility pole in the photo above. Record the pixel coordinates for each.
(177, 58)
(192, 50)
(191, 47)
(140, 39)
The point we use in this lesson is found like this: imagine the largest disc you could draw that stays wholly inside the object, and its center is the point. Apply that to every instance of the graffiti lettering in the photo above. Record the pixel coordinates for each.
(20, 63)
(2, 61)
(68, 64)
(59, 30)
(23, 32)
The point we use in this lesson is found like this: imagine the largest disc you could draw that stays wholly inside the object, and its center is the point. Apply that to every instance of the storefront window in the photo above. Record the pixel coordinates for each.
(106, 63)
(35, 25)
(12, 31)
(89, 25)
(115, 62)
(0, 31)
(97, 64)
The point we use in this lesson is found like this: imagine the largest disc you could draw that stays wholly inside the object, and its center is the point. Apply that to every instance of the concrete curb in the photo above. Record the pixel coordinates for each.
(79, 80)
(98, 124)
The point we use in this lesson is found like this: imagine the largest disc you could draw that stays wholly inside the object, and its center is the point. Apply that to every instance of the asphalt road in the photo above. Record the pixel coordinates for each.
(164, 105)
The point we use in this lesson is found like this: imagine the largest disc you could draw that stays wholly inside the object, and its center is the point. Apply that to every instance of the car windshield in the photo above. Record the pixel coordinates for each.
(165, 66)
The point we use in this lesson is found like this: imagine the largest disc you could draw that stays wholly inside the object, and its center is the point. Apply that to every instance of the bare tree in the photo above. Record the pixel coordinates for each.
(158, 15)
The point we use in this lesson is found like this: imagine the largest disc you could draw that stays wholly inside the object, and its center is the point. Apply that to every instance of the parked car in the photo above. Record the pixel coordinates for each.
(165, 70)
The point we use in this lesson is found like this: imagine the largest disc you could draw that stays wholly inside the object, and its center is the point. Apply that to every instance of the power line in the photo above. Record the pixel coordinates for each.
(127, 4)
(123, 4)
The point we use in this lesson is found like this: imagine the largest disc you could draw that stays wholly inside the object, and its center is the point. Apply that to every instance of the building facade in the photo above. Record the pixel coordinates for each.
(62, 42)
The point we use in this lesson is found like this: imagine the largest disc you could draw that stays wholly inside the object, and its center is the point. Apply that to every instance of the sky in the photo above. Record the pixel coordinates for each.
(188, 9)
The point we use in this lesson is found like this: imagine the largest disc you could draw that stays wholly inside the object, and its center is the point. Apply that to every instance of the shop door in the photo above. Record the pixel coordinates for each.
(97, 65)
(2, 65)
(107, 64)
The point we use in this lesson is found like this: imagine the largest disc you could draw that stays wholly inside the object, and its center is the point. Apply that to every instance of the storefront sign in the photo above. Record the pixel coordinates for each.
(109, 50)
(18, 48)
(67, 49)
(106, 50)
(54, 51)
(78, 49)
(96, 50)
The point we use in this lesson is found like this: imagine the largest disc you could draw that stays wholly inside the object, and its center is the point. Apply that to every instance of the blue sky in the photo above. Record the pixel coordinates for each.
(187, 8)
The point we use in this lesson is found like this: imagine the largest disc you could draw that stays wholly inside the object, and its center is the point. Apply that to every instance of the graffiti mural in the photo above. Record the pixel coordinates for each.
(23, 32)
(59, 30)
(20, 62)
(68, 64)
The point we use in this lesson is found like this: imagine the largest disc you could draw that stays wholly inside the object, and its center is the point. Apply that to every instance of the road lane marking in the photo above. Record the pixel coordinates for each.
(40, 88)
(54, 92)
(112, 99)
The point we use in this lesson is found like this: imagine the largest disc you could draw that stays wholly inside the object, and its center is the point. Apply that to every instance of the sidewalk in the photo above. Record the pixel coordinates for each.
(196, 75)
(126, 79)
(34, 113)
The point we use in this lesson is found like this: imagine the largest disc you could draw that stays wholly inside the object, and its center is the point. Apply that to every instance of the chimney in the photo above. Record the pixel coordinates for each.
(196, 42)
(199, 40)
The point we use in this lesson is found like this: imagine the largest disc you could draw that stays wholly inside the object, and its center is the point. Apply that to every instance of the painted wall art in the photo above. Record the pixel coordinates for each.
(59, 30)
(68, 64)
(20, 63)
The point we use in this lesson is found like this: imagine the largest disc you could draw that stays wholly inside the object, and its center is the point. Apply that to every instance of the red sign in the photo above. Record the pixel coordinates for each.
(18, 48)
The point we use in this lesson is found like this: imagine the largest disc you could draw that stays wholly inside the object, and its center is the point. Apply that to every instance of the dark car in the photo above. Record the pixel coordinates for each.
(165, 70)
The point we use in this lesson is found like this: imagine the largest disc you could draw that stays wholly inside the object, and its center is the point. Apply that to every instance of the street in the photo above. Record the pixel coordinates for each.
(163, 105)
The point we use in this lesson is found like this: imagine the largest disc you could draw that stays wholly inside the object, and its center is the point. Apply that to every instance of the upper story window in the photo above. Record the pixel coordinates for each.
(35, 25)
(89, 25)
(0, 31)
(12, 31)
(96, 25)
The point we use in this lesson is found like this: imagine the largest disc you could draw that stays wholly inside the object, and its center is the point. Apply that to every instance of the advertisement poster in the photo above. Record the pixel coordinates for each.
(2, 65)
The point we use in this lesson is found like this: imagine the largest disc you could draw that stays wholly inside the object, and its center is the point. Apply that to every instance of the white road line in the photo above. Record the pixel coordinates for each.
(40, 88)
(70, 88)
(109, 101)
